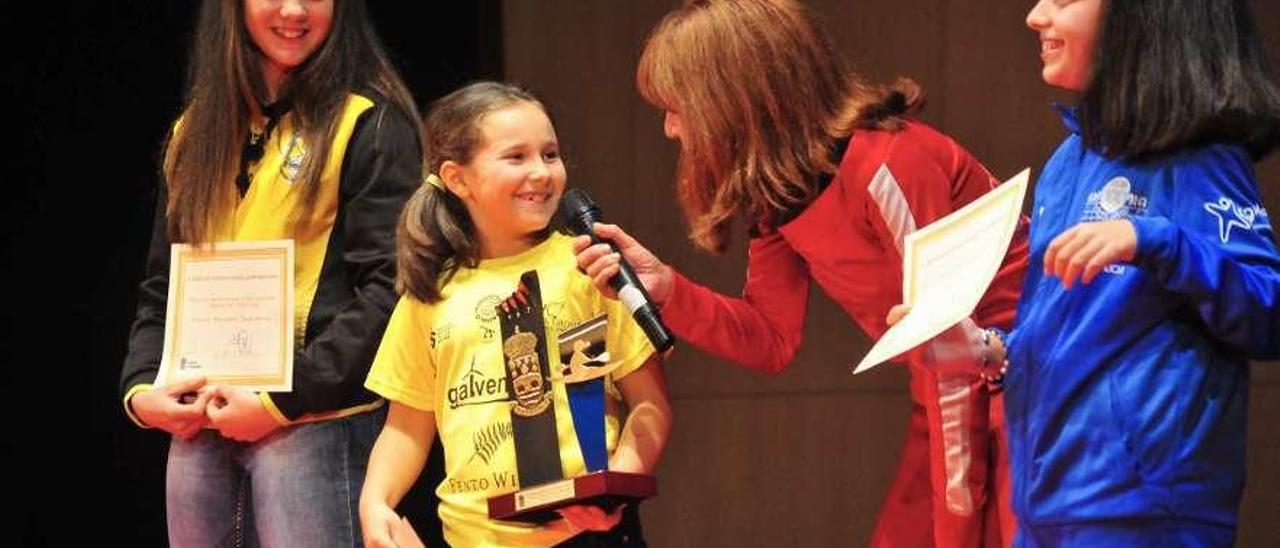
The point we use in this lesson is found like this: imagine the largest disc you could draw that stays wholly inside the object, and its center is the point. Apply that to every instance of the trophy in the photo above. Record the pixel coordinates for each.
(582, 365)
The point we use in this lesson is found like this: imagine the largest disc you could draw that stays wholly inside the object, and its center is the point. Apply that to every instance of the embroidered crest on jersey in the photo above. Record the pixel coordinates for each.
(487, 316)
(294, 154)
(1116, 200)
(440, 334)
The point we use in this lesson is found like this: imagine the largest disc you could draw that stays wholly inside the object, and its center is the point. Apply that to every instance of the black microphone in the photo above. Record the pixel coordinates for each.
(580, 212)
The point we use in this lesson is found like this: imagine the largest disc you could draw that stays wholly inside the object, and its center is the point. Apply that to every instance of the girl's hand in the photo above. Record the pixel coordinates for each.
(601, 263)
(239, 414)
(163, 408)
(1087, 248)
(381, 527)
(586, 517)
(405, 537)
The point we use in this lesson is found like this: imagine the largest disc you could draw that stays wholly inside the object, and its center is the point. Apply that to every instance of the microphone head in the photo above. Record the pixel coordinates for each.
(578, 210)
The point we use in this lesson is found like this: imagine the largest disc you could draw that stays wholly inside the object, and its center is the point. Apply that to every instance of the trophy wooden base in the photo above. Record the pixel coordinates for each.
(605, 489)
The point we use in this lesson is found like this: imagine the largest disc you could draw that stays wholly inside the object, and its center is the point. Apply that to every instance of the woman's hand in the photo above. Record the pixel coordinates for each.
(1087, 248)
(961, 348)
(600, 262)
(897, 313)
(239, 414)
(915, 355)
(163, 408)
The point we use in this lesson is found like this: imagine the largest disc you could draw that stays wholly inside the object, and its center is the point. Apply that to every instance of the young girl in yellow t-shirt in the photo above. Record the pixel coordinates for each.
(468, 234)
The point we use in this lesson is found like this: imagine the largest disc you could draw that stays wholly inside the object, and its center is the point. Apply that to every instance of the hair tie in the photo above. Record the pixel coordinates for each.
(435, 181)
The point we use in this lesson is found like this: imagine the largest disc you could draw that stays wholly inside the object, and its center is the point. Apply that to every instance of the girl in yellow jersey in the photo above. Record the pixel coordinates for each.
(466, 238)
(295, 127)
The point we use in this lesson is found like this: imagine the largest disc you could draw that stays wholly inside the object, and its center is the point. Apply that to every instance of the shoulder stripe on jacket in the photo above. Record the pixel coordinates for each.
(886, 192)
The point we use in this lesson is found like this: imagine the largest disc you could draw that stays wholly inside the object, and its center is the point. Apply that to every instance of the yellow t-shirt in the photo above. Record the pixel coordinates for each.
(447, 358)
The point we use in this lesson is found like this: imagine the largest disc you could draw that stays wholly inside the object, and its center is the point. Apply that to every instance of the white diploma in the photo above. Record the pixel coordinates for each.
(947, 267)
(230, 315)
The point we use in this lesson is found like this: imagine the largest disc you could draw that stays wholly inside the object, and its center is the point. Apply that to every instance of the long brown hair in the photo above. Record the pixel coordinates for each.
(225, 89)
(762, 97)
(436, 235)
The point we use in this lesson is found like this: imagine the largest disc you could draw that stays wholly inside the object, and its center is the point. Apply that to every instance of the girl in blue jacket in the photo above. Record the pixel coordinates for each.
(1153, 277)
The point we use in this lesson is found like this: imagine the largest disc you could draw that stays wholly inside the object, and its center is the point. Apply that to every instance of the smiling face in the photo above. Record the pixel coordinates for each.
(1068, 30)
(287, 32)
(513, 182)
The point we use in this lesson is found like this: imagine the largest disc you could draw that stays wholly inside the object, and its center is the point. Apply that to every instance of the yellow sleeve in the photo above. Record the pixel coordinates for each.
(403, 369)
(626, 341)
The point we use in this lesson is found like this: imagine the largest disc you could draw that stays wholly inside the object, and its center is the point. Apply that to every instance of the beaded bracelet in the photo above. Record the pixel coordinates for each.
(994, 379)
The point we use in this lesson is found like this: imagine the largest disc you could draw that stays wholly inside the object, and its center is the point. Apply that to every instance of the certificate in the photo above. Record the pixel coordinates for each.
(230, 315)
(947, 267)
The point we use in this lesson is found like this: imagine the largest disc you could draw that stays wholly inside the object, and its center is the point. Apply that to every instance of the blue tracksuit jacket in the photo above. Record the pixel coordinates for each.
(1126, 398)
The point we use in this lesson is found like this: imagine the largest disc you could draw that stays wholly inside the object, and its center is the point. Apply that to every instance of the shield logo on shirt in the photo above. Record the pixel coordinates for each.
(294, 154)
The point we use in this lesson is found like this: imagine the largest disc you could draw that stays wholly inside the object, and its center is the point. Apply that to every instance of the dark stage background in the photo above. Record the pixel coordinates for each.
(802, 459)
(94, 88)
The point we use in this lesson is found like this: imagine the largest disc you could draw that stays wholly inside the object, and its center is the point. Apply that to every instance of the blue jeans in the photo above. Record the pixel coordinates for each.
(299, 486)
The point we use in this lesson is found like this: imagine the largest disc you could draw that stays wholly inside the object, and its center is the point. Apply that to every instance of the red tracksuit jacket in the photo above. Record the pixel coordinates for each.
(849, 239)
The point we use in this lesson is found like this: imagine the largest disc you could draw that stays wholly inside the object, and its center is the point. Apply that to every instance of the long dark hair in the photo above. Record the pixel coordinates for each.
(436, 235)
(225, 89)
(762, 97)
(1169, 74)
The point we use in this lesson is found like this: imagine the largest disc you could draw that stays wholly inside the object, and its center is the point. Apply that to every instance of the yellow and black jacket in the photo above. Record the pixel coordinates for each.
(344, 270)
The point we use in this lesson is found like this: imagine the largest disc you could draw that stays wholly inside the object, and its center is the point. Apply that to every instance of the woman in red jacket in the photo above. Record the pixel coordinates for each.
(831, 174)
